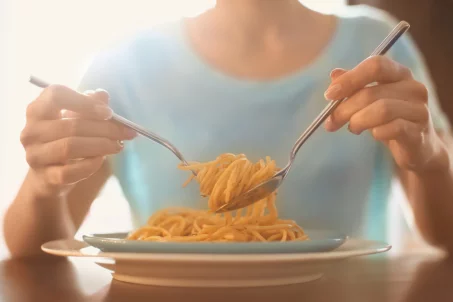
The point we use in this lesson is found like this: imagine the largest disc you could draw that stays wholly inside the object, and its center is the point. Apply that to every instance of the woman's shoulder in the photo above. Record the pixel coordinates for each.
(152, 42)
(368, 26)
(153, 46)
(367, 19)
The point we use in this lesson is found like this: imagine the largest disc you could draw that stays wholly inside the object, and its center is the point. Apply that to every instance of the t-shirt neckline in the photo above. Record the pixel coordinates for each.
(318, 67)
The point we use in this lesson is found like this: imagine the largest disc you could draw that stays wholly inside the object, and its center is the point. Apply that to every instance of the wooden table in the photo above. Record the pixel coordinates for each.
(410, 278)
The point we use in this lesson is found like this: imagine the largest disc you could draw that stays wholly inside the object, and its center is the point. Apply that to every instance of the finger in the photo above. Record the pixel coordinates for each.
(55, 98)
(405, 90)
(98, 95)
(74, 171)
(68, 114)
(404, 138)
(374, 69)
(384, 111)
(47, 131)
(89, 92)
(337, 72)
(398, 129)
(73, 114)
(66, 149)
(102, 95)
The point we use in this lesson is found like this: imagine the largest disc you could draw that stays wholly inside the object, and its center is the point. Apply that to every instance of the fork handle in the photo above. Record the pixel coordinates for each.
(382, 49)
(151, 135)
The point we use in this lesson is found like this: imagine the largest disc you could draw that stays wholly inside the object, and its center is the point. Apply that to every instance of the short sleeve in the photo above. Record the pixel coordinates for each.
(105, 72)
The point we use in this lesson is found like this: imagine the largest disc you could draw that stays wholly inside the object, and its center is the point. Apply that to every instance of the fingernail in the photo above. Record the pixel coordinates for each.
(103, 111)
(102, 95)
(332, 92)
(120, 143)
(353, 132)
(329, 124)
(102, 91)
(129, 132)
(89, 92)
(335, 72)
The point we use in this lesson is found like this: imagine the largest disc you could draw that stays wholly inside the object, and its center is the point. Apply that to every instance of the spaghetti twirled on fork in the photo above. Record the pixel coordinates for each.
(223, 179)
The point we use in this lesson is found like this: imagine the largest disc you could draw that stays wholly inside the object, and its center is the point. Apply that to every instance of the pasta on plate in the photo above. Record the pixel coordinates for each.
(221, 180)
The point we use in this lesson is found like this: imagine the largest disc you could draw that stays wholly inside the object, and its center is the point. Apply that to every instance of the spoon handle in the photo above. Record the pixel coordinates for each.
(382, 49)
(139, 129)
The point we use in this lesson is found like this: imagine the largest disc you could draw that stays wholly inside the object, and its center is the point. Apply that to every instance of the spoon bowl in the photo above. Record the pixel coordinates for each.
(251, 196)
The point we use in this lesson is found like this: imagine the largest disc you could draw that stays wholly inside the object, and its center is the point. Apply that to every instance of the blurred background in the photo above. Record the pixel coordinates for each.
(55, 40)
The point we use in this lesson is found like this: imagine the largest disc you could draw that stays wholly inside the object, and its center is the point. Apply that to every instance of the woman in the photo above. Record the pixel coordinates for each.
(244, 77)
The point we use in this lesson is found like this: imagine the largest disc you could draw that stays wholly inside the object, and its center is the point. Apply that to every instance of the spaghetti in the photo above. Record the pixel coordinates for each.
(223, 179)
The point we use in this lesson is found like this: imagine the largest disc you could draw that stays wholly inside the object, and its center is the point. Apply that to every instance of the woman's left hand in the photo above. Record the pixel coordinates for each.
(395, 111)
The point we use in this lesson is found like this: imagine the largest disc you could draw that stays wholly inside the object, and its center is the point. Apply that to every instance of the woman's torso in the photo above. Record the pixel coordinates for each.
(338, 181)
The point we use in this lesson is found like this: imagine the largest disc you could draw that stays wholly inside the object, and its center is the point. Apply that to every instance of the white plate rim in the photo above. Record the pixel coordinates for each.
(369, 247)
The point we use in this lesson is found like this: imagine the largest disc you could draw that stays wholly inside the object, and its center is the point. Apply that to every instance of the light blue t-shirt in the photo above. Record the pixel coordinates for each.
(339, 180)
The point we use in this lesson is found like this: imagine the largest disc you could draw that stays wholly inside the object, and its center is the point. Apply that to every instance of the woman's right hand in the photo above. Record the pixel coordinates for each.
(67, 136)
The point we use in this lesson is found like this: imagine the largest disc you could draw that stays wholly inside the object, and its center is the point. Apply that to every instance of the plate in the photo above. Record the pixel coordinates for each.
(216, 270)
(320, 241)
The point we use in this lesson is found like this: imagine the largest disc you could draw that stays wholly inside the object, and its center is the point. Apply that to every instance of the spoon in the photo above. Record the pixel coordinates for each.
(125, 122)
(267, 187)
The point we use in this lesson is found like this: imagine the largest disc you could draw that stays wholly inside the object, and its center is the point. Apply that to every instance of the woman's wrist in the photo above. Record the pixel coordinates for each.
(42, 190)
(439, 163)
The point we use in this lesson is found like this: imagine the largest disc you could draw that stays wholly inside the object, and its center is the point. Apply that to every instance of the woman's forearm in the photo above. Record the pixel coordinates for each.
(34, 218)
(67, 159)
(37, 215)
(430, 194)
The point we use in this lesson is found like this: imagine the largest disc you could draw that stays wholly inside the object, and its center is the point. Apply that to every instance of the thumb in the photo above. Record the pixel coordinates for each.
(99, 94)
